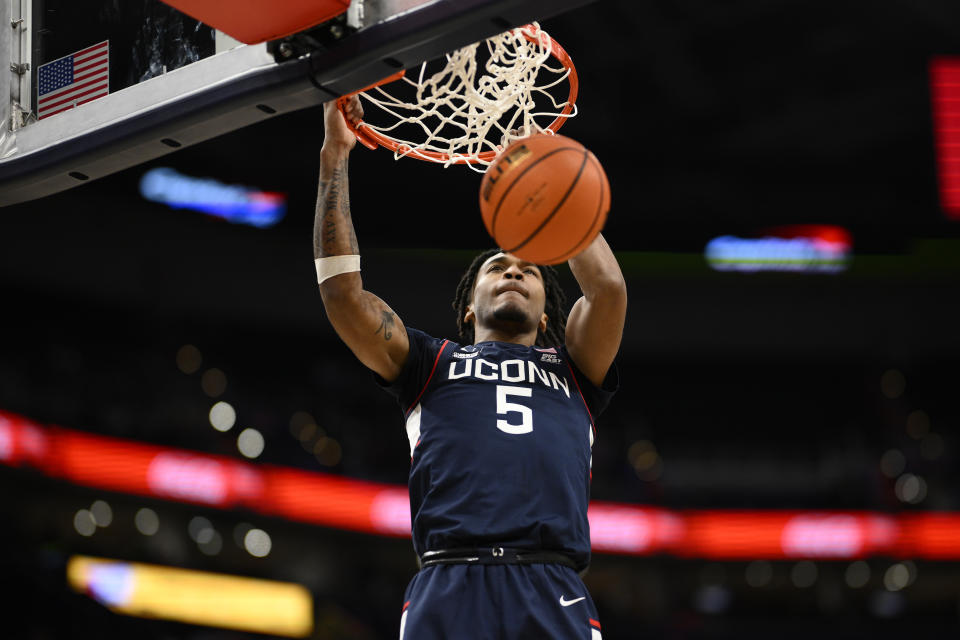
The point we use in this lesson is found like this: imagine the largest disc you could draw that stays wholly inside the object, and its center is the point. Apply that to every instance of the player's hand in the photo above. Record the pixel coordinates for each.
(516, 134)
(336, 130)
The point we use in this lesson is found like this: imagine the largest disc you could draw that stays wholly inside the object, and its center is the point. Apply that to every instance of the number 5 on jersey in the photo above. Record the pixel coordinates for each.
(504, 407)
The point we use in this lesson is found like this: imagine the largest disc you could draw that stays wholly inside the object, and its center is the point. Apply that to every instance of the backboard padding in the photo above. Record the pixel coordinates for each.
(256, 21)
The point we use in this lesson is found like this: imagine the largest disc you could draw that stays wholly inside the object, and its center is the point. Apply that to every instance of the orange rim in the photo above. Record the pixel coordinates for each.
(371, 138)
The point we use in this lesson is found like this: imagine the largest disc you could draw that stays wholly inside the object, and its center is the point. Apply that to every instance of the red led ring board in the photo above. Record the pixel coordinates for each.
(329, 500)
(255, 21)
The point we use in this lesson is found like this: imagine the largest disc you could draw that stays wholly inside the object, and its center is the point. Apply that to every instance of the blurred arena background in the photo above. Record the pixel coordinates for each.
(781, 458)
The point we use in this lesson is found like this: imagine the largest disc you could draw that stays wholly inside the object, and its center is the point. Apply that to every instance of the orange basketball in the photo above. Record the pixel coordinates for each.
(545, 198)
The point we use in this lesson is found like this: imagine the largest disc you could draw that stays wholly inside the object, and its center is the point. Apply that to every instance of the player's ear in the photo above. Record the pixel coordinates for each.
(542, 325)
(469, 316)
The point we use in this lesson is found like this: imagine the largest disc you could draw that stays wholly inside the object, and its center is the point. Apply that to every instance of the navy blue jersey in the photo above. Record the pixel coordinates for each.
(500, 439)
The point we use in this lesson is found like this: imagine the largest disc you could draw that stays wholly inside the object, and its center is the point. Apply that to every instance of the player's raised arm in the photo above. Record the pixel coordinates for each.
(362, 320)
(595, 324)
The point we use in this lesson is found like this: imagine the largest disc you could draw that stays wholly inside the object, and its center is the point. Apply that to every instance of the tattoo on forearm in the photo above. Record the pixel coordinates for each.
(333, 232)
(329, 231)
(386, 324)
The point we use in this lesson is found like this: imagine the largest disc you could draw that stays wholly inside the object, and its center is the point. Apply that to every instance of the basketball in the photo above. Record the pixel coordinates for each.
(545, 198)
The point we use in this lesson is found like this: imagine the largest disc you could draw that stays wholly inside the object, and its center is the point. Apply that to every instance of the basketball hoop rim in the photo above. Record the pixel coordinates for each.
(372, 138)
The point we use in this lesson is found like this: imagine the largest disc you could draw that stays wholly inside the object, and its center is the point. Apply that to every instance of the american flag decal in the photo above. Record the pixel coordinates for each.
(73, 80)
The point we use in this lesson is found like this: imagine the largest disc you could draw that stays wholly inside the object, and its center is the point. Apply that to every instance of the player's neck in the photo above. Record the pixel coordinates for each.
(527, 338)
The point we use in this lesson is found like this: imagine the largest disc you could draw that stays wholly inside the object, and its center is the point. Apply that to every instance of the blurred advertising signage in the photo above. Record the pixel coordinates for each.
(945, 102)
(788, 534)
(194, 597)
(798, 248)
(234, 203)
(339, 502)
(633, 530)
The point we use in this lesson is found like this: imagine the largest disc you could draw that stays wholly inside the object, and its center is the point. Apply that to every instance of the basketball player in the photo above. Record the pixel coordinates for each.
(500, 425)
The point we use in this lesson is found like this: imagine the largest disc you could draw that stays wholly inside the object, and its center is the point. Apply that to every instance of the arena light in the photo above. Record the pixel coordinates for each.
(194, 597)
(796, 248)
(383, 509)
(234, 203)
(945, 102)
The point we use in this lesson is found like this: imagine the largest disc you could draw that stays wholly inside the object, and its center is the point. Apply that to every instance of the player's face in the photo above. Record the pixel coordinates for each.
(509, 294)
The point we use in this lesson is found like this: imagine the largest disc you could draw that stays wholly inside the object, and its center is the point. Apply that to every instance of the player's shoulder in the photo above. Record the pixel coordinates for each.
(611, 381)
(423, 340)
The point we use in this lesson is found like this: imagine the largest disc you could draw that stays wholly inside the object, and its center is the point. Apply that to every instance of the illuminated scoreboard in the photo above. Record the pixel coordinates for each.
(945, 99)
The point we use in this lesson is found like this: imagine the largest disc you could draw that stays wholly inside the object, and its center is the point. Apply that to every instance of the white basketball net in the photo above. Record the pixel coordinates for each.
(463, 111)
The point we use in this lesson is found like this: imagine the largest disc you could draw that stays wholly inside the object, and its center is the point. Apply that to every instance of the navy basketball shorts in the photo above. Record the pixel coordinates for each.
(498, 602)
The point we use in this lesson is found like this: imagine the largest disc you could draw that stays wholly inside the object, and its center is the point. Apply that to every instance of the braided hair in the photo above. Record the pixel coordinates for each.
(554, 307)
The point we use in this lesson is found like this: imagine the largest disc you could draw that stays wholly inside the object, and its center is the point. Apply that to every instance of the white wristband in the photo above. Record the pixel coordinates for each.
(335, 265)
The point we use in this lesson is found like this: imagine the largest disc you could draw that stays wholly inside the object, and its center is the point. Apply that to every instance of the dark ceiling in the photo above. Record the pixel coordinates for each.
(709, 118)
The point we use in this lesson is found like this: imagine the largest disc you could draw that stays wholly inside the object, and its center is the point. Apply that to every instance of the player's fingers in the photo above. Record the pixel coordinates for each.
(353, 109)
(520, 132)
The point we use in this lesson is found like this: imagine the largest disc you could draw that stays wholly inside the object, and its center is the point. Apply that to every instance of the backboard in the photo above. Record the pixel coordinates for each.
(175, 81)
